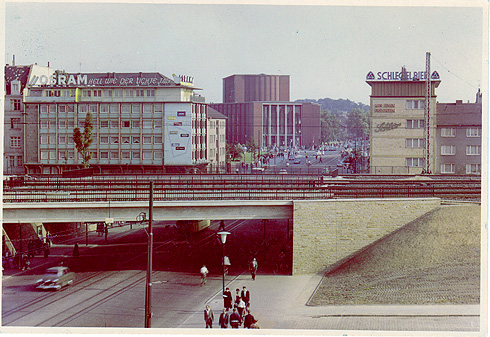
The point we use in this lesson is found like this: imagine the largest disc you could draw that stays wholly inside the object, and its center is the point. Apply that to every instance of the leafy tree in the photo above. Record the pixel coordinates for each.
(83, 141)
(331, 128)
(252, 147)
(233, 151)
(357, 124)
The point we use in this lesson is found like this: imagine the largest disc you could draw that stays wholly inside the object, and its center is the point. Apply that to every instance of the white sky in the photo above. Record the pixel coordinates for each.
(327, 50)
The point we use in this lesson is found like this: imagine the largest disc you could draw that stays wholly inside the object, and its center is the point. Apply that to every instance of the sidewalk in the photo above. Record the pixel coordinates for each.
(278, 302)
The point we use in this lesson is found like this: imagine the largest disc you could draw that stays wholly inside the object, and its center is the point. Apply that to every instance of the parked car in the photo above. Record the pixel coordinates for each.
(283, 171)
(297, 161)
(56, 278)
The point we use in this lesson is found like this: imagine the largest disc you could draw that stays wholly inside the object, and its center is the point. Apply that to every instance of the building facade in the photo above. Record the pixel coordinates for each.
(459, 135)
(216, 142)
(16, 80)
(258, 108)
(397, 122)
(142, 123)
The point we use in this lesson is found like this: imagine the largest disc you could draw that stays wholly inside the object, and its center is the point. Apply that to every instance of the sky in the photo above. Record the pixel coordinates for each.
(327, 50)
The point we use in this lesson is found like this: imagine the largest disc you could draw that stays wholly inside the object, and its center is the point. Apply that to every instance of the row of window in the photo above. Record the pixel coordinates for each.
(63, 139)
(118, 93)
(104, 124)
(470, 132)
(470, 168)
(104, 108)
(14, 161)
(415, 104)
(64, 155)
(471, 150)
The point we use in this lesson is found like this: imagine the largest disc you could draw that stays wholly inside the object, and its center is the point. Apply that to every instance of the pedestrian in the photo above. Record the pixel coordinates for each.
(249, 320)
(224, 319)
(204, 272)
(208, 317)
(76, 253)
(237, 297)
(235, 320)
(245, 295)
(222, 225)
(227, 298)
(253, 267)
(241, 307)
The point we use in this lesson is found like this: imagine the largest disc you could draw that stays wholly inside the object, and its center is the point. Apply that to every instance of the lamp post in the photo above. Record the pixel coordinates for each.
(222, 236)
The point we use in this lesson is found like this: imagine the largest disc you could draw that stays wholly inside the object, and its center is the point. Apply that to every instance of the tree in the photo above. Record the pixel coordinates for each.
(83, 141)
(252, 147)
(357, 124)
(233, 151)
(331, 129)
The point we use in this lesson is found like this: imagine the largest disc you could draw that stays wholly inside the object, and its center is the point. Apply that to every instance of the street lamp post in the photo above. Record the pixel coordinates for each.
(149, 266)
(222, 236)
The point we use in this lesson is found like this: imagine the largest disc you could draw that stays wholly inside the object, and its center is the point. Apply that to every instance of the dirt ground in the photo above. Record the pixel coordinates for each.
(432, 260)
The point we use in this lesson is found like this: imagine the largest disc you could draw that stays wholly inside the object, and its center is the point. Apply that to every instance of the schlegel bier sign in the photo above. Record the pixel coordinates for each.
(400, 76)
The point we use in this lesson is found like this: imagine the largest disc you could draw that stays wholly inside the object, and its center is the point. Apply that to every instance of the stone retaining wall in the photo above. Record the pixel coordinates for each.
(326, 231)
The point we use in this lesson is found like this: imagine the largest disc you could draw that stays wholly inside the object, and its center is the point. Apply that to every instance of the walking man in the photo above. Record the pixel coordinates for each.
(224, 319)
(253, 268)
(235, 319)
(208, 317)
(246, 296)
(227, 299)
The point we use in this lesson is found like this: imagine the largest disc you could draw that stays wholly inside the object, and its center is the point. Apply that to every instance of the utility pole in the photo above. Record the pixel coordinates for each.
(428, 95)
(149, 267)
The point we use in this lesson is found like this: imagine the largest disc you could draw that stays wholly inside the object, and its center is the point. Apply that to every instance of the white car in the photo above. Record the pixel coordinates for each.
(56, 278)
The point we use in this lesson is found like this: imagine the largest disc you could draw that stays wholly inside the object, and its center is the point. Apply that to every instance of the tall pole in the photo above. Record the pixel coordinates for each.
(148, 312)
(428, 95)
(223, 263)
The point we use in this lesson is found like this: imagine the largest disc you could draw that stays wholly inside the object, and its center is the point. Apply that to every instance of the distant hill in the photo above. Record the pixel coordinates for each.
(337, 105)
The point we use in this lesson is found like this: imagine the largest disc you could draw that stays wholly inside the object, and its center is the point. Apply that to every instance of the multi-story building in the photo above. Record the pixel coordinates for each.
(216, 141)
(397, 122)
(258, 108)
(143, 123)
(459, 134)
(17, 78)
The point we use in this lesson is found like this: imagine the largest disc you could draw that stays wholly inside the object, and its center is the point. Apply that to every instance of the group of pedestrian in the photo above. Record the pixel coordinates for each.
(236, 311)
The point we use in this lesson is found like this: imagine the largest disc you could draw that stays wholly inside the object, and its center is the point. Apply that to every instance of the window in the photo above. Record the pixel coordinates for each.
(15, 142)
(136, 108)
(126, 108)
(473, 168)
(125, 140)
(158, 155)
(19, 160)
(15, 88)
(104, 155)
(44, 139)
(94, 154)
(147, 124)
(81, 123)
(415, 123)
(448, 168)
(44, 124)
(473, 132)
(158, 140)
(140, 93)
(157, 108)
(136, 140)
(44, 108)
(97, 93)
(150, 92)
(448, 132)
(473, 150)
(86, 93)
(448, 150)
(114, 124)
(415, 104)
(147, 140)
(70, 140)
(414, 162)
(44, 154)
(52, 108)
(114, 155)
(126, 124)
(136, 155)
(62, 108)
(62, 139)
(104, 108)
(129, 93)
(92, 108)
(157, 123)
(14, 123)
(104, 140)
(114, 108)
(136, 124)
(82, 108)
(114, 140)
(70, 124)
(125, 155)
(147, 155)
(118, 93)
(16, 104)
(147, 108)
(52, 139)
(415, 143)
(107, 93)
(104, 124)
(52, 154)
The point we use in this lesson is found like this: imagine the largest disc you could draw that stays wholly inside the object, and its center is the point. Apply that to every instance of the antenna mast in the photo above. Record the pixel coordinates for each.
(427, 114)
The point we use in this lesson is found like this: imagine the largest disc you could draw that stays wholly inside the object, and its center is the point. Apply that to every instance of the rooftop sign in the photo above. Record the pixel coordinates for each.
(400, 76)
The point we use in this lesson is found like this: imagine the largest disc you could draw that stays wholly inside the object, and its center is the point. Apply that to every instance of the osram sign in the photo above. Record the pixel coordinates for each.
(79, 79)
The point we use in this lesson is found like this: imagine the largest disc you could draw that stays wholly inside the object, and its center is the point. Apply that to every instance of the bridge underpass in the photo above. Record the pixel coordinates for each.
(324, 231)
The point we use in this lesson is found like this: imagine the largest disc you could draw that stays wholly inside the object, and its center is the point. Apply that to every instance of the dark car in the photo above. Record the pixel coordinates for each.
(56, 278)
